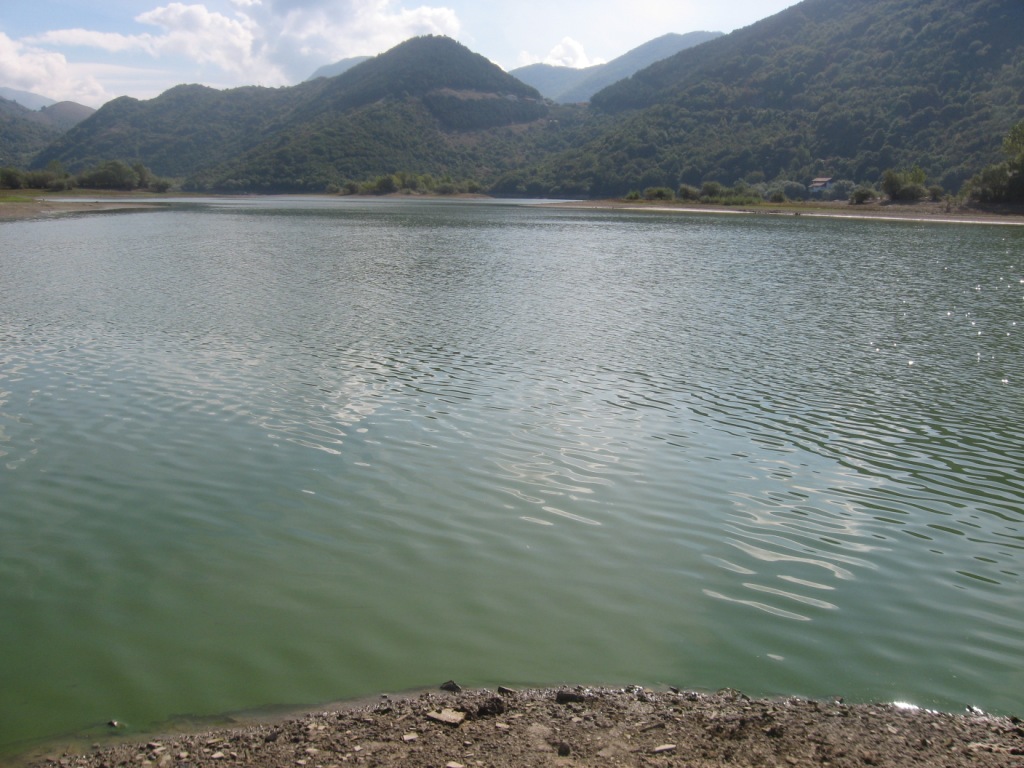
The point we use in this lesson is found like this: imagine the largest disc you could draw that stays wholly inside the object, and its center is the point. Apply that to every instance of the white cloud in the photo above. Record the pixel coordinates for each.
(267, 42)
(316, 32)
(568, 53)
(206, 37)
(29, 68)
(87, 38)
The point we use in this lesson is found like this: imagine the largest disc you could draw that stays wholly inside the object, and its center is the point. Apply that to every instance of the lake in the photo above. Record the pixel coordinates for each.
(262, 453)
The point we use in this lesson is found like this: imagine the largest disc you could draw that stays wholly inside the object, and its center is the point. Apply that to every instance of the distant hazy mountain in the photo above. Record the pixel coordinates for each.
(569, 86)
(25, 98)
(337, 68)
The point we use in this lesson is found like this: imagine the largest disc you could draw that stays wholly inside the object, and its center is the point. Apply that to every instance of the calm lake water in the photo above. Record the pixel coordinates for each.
(260, 453)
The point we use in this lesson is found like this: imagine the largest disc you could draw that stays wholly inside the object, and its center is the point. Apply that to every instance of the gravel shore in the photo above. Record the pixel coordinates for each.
(580, 727)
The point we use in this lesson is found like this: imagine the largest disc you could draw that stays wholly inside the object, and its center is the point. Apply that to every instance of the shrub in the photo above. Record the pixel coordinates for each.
(686, 192)
(861, 195)
(711, 189)
(905, 184)
(659, 193)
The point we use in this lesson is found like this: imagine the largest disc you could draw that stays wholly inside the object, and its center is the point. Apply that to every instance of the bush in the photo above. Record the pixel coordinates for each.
(113, 174)
(659, 193)
(711, 190)
(905, 185)
(11, 178)
(861, 195)
(686, 192)
(632, 195)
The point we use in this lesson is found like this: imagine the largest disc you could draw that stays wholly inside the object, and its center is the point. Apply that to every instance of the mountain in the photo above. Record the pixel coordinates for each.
(27, 99)
(21, 136)
(65, 115)
(567, 85)
(25, 131)
(337, 68)
(414, 108)
(824, 88)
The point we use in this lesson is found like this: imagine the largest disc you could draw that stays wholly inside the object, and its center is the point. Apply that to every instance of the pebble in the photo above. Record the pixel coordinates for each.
(410, 737)
(664, 748)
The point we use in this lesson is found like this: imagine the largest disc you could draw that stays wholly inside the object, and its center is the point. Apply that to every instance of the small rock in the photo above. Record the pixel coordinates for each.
(569, 697)
(505, 691)
(502, 726)
(664, 748)
(217, 756)
(410, 737)
(447, 716)
(453, 764)
(451, 686)
(114, 723)
(563, 749)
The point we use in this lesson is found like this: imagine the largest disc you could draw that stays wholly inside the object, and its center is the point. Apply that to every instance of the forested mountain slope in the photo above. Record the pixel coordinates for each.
(24, 131)
(388, 113)
(827, 87)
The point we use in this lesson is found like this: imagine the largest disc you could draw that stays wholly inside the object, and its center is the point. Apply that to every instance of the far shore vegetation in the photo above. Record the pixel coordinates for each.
(998, 184)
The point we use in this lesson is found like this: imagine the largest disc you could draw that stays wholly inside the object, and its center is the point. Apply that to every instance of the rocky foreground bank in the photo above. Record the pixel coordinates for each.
(584, 727)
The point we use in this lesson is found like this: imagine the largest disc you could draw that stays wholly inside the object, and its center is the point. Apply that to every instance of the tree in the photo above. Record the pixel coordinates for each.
(1002, 182)
(1013, 143)
(906, 184)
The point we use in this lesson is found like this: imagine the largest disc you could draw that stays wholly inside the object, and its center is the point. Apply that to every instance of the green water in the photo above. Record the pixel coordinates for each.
(264, 453)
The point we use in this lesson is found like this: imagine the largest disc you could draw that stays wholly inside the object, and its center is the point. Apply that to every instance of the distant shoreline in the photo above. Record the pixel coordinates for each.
(44, 207)
(913, 212)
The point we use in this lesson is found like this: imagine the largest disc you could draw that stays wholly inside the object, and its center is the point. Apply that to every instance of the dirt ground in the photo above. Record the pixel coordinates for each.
(581, 727)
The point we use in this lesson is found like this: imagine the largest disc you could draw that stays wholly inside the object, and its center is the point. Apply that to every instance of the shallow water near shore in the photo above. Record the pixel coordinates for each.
(280, 452)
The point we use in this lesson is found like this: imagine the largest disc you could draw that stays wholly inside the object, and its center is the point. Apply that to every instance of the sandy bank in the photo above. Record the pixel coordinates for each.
(43, 208)
(915, 212)
(581, 727)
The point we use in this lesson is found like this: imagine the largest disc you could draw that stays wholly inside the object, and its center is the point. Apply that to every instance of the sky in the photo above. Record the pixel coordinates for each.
(91, 51)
